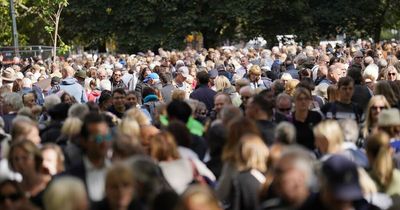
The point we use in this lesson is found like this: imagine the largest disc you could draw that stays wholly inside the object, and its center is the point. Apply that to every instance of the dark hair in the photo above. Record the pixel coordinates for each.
(180, 132)
(120, 91)
(355, 74)
(105, 96)
(14, 184)
(29, 147)
(165, 77)
(148, 91)
(179, 110)
(345, 81)
(203, 77)
(91, 118)
(306, 83)
(264, 105)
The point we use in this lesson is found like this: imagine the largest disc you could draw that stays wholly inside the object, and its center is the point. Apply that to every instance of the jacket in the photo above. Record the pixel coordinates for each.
(72, 87)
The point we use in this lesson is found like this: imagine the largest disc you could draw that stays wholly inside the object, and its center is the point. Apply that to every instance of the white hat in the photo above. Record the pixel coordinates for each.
(389, 117)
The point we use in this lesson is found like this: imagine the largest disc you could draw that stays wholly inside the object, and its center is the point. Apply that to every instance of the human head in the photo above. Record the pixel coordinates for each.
(221, 83)
(258, 108)
(284, 103)
(12, 102)
(252, 153)
(66, 193)
(389, 121)
(375, 105)
(23, 128)
(290, 86)
(132, 99)
(25, 158)
(391, 73)
(199, 197)
(285, 133)
(346, 89)
(179, 110)
(254, 73)
(328, 137)
(334, 73)
(203, 77)
(119, 186)
(163, 147)
(181, 74)
(117, 75)
(11, 195)
(302, 99)
(119, 96)
(358, 58)
(67, 71)
(53, 158)
(246, 93)
(220, 101)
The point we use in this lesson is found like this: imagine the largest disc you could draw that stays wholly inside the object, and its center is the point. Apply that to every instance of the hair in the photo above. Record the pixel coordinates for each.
(125, 146)
(263, 104)
(252, 153)
(345, 81)
(291, 86)
(302, 91)
(129, 126)
(120, 91)
(119, 173)
(350, 129)
(78, 111)
(21, 126)
(59, 152)
(14, 100)
(202, 195)
(285, 133)
(379, 155)
(384, 88)
(203, 77)
(178, 94)
(64, 193)
(237, 128)
(71, 127)
(332, 132)
(180, 132)
(163, 147)
(50, 101)
(91, 118)
(30, 148)
(179, 110)
(165, 77)
(332, 93)
(14, 184)
(255, 69)
(221, 83)
(64, 95)
(368, 116)
(138, 115)
(17, 85)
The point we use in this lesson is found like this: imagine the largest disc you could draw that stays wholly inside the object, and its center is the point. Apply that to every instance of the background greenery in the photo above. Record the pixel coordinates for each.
(137, 25)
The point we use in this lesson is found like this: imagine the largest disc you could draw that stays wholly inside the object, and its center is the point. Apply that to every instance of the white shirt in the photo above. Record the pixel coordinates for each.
(95, 179)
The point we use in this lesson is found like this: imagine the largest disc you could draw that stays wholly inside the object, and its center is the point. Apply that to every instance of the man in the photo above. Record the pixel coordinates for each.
(29, 99)
(167, 87)
(12, 103)
(69, 84)
(116, 80)
(118, 100)
(284, 104)
(358, 58)
(293, 174)
(203, 93)
(245, 66)
(220, 101)
(180, 80)
(334, 74)
(95, 139)
(246, 93)
(262, 112)
(344, 107)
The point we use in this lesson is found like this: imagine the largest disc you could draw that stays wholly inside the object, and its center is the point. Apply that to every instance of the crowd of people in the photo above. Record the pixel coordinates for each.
(228, 128)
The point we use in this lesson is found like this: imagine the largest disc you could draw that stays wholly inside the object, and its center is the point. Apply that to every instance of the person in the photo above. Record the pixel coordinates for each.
(66, 193)
(69, 84)
(198, 196)
(375, 106)
(284, 104)
(343, 107)
(223, 85)
(29, 99)
(255, 79)
(23, 128)
(361, 94)
(119, 190)
(386, 176)
(220, 101)
(340, 187)
(182, 73)
(118, 99)
(12, 103)
(252, 155)
(53, 158)
(329, 138)
(389, 122)
(167, 87)
(95, 139)
(383, 88)
(245, 93)
(11, 195)
(179, 172)
(203, 93)
(25, 158)
(392, 73)
(132, 99)
(304, 119)
(334, 74)
(293, 180)
(262, 112)
(116, 80)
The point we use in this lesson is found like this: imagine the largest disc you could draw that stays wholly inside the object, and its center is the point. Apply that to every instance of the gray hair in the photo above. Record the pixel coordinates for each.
(350, 130)
(64, 193)
(78, 111)
(283, 96)
(285, 133)
(14, 100)
(50, 101)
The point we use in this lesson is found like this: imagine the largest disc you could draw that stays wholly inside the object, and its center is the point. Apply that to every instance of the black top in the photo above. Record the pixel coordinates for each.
(245, 192)
(267, 130)
(304, 130)
(204, 94)
(315, 202)
(338, 110)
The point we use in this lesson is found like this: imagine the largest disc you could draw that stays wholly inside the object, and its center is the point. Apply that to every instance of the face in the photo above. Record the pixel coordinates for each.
(254, 77)
(9, 197)
(251, 109)
(284, 106)
(68, 99)
(117, 76)
(50, 161)
(219, 103)
(358, 60)
(29, 100)
(23, 162)
(146, 133)
(119, 193)
(131, 100)
(346, 92)
(375, 109)
(93, 74)
(302, 102)
(392, 75)
(118, 100)
(33, 135)
(102, 75)
(336, 75)
(99, 140)
(321, 143)
(245, 96)
(244, 62)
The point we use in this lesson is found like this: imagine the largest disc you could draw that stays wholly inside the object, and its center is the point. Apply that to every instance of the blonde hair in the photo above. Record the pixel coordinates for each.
(129, 126)
(178, 94)
(255, 69)
(119, 173)
(200, 195)
(332, 132)
(368, 117)
(163, 147)
(63, 193)
(138, 115)
(380, 158)
(290, 86)
(58, 151)
(72, 126)
(252, 153)
(221, 83)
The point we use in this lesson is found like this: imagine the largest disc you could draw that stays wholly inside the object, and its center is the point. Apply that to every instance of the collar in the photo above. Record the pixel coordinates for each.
(90, 167)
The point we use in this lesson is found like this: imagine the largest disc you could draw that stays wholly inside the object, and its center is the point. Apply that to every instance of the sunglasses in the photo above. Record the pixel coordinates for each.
(392, 74)
(377, 107)
(358, 57)
(285, 110)
(102, 138)
(12, 197)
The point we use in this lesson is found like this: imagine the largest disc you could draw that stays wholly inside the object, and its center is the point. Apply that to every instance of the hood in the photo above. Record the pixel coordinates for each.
(68, 81)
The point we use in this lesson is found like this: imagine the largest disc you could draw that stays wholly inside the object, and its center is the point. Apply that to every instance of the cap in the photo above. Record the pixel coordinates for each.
(341, 177)
(152, 76)
(183, 70)
(389, 117)
(81, 74)
(213, 73)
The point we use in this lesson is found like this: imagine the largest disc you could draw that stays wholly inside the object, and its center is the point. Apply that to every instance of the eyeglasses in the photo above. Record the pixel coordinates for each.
(102, 138)
(285, 109)
(375, 108)
(13, 197)
(392, 74)
(358, 57)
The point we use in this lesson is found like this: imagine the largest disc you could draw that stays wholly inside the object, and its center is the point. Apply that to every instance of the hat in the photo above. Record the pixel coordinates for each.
(81, 74)
(152, 76)
(184, 71)
(389, 117)
(213, 73)
(8, 74)
(55, 81)
(341, 177)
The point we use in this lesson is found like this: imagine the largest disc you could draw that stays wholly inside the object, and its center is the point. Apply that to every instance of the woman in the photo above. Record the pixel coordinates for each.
(223, 85)
(290, 86)
(53, 158)
(119, 190)
(92, 92)
(199, 197)
(384, 88)
(304, 119)
(11, 195)
(391, 73)
(67, 98)
(375, 105)
(252, 155)
(26, 159)
(329, 138)
(383, 171)
(179, 172)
